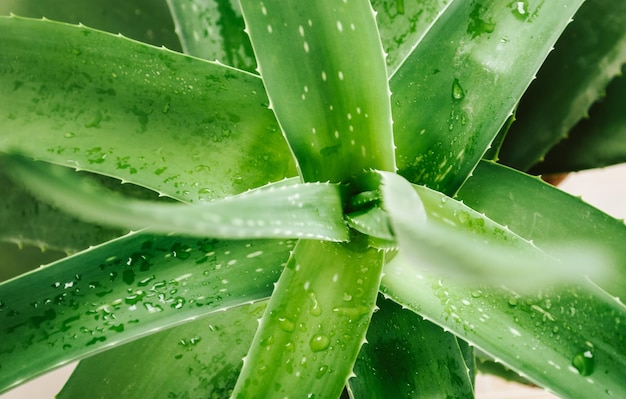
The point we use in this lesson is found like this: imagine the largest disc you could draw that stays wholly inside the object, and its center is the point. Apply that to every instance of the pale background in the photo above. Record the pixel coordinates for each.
(603, 188)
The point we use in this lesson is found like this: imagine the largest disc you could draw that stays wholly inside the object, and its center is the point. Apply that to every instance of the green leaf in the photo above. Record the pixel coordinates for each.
(148, 21)
(213, 30)
(122, 290)
(442, 236)
(187, 128)
(27, 221)
(315, 323)
(323, 67)
(595, 142)
(402, 24)
(310, 210)
(585, 59)
(454, 92)
(408, 357)
(561, 339)
(549, 217)
(197, 359)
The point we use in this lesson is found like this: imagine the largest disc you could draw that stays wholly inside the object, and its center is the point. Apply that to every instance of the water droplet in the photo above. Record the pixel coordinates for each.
(286, 324)
(321, 371)
(463, 216)
(512, 301)
(315, 308)
(477, 294)
(457, 90)
(319, 343)
(584, 363)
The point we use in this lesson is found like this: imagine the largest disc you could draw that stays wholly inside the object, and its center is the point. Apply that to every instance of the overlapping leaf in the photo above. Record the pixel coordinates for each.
(409, 357)
(146, 20)
(315, 322)
(32, 223)
(549, 217)
(189, 129)
(124, 289)
(201, 358)
(280, 210)
(213, 30)
(323, 67)
(595, 142)
(562, 339)
(454, 92)
(587, 56)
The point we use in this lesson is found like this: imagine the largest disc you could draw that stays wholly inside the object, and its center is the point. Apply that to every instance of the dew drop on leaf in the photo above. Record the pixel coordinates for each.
(286, 324)
(319, 343)
(457, 90)
(584, 363)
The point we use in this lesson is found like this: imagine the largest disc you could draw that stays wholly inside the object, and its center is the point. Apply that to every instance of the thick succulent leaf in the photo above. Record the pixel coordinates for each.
(457, 88)
(549, 217)
(315, 322)
(588, 55)
(26, 221)
(122, 290)
(323, 67)
(200, 359)
(563, 339)
(443, 236)
(409, 357)
(213, 30)
(402, 24)
(187, 128)
(595, 142)
(308, 210)
(148, 21)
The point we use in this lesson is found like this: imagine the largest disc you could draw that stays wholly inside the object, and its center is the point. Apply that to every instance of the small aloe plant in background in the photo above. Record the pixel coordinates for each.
(318, 188)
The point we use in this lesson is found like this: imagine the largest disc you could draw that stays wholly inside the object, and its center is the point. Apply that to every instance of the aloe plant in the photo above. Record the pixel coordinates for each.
(317, 200)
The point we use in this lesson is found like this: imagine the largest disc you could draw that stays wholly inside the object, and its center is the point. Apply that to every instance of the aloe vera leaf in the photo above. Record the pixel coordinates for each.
(308, 210)
(452, 240)
(562, 339)
(315, 322)
(588, 55)
(454, 92)
(198, 359)
(409, 357)
(595, 142)
(213, 30)
(402, 24)
(148, 21)
(122, 290)
(323, 67)
(189, 129)
(29, 222)
(551, 218)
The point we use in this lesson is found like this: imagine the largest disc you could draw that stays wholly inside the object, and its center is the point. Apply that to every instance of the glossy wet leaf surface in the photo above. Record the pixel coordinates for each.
(323, 67)
(198, 359)
(457, 88)
(409, 357)
(562, 338)
(315, 323)
(125, 289)
(149, 116)
(213, 30)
